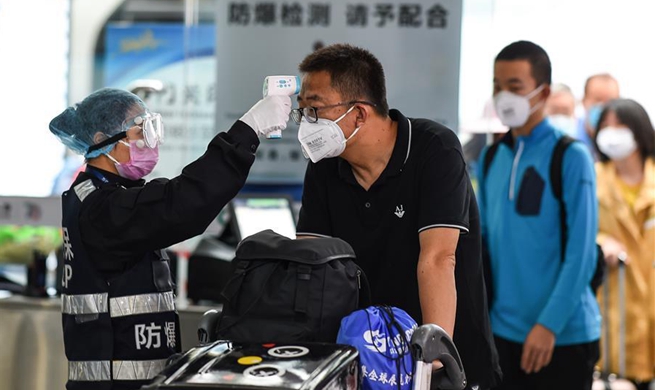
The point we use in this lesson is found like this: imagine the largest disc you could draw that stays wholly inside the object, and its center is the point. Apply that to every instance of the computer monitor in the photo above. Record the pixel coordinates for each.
(210, 264)
(252, 213)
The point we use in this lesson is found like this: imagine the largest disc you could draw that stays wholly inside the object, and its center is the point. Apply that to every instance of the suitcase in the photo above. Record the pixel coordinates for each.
(607, 380)
(302, 366)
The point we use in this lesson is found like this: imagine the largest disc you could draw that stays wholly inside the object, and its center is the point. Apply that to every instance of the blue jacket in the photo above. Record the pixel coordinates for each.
(521, 227)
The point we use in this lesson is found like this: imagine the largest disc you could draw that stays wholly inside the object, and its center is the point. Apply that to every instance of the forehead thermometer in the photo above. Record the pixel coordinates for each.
(280, 85)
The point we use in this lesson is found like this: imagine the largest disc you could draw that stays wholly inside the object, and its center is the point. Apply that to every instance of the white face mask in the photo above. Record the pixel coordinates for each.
(323, 139)
(514, 110)
(568, 124)
(617, 143)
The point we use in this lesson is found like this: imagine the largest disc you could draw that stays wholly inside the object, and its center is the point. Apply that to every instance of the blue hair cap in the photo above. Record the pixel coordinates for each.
(102, 112)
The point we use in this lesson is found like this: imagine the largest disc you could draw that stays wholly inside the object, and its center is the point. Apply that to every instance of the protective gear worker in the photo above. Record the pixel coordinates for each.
(118, 314)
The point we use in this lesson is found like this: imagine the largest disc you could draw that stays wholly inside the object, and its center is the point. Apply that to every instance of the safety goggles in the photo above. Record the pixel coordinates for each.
(151, 125)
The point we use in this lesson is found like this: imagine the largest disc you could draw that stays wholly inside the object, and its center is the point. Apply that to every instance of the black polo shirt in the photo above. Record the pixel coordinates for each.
(425, 185)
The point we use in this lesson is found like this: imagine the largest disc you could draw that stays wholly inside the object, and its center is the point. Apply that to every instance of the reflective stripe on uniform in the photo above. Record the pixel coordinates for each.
(142, 304)
(92, 371)
(84, 303)
(126, 370)
(84, 189)
(120, 306)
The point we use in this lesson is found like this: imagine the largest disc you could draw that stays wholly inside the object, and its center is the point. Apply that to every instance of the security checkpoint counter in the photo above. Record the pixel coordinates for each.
(32, 353)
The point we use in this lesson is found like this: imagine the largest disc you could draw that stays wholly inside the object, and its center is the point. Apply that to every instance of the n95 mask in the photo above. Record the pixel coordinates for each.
(323, 139)
(513, 109)
(567, 124)
(616, 143)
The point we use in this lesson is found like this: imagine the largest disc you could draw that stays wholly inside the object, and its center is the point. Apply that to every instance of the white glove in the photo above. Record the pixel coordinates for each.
(269, 114)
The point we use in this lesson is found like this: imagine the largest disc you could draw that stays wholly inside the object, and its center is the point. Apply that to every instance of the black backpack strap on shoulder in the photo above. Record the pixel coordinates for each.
(556, 182)
(486, 258)
(489, 157)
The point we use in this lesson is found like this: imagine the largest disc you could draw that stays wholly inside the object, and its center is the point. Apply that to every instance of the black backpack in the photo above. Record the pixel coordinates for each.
(556, 174)
(285, 290)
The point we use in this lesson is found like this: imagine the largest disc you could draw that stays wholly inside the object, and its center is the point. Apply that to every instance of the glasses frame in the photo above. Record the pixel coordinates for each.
(298, 113)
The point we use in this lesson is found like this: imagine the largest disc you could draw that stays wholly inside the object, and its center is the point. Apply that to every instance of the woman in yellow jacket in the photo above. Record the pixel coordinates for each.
(626, 193)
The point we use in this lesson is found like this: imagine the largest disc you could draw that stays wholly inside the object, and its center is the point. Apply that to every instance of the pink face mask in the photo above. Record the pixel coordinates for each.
(142, 160)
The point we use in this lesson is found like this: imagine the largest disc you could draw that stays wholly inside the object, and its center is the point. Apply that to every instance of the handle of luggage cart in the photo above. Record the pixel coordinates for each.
(622, 258)
(606, 332)
(429, 343)
(207, 326)
(607, 379)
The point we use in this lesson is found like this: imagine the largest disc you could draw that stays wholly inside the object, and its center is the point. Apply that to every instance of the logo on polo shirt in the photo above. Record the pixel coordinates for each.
(399, 211)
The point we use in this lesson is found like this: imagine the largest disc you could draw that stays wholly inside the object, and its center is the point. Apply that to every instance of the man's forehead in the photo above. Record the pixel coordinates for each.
(515, 70)
(316, 87)
(310, 96)
(603, 89)
(562, 96)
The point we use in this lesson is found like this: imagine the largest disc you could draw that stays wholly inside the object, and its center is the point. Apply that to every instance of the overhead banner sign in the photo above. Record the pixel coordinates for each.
(183, 60)
(418, 44)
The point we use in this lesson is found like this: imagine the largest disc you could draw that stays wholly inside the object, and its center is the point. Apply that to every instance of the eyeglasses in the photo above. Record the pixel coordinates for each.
(152, 126)
(311, 113)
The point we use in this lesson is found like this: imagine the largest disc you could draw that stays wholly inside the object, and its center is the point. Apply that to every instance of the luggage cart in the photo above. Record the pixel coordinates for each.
(607, 380)
(303, 366)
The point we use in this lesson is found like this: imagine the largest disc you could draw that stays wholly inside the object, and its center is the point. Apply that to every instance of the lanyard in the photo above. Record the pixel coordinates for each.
(97, 174)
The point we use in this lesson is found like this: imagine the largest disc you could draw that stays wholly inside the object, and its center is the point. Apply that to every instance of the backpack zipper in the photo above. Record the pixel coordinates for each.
(359, 280)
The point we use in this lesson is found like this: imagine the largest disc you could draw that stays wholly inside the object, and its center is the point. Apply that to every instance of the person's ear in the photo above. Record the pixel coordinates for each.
(546, 91)
(99, 137)
(362, 114)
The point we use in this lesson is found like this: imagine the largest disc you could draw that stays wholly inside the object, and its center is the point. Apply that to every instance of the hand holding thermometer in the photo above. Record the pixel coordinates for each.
(280, 85)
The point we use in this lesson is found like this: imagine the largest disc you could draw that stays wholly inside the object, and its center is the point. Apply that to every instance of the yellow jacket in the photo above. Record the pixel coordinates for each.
(636, 230)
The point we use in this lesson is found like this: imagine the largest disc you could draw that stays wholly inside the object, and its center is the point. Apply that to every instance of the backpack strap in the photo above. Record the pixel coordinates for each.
(486, 258)
(304, 276)
(365, 297)
(489, 157)
(234, 284)
(486, 164)
(556, 181)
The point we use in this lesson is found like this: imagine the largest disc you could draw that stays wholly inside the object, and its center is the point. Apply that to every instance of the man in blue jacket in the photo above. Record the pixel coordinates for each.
(544, 315)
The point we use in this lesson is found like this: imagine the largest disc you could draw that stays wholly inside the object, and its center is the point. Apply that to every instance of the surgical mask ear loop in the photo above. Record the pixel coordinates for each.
(533, 94)
(343, 116)
(352, 135)
(111, 157)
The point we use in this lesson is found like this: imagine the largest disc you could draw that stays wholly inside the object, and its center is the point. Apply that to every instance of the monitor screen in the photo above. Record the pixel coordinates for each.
(254, 213)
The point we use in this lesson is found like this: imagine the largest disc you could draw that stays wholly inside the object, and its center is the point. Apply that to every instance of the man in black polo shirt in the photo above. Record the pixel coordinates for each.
(399, 193)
